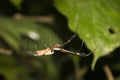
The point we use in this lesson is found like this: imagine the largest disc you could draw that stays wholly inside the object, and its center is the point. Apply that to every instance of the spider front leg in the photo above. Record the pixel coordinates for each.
(69, 40)
(72, 37)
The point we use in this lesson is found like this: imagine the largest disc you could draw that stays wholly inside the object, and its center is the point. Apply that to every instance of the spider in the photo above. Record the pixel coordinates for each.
(58, 47)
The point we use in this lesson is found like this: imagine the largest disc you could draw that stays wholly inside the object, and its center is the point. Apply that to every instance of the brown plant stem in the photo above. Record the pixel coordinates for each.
(42, 19)
(5, 51)
(108, 72)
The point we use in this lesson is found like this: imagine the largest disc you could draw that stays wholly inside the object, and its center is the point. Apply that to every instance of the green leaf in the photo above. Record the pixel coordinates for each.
(98, 23)
(11, 30)
(47, 38)
(17, 3)
(10, 40)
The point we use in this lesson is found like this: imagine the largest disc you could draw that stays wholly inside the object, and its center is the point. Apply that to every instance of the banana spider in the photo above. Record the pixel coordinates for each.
(58, 47)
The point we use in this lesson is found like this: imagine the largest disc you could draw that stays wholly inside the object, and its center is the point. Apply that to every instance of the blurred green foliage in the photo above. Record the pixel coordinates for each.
(98, 23)
(17, 3)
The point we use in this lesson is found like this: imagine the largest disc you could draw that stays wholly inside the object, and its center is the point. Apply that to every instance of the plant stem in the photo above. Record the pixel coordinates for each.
(108, 72)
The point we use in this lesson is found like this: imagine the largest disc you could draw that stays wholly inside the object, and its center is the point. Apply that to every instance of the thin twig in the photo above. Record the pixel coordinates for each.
(108, 72)
(42, 19)
(5, 51)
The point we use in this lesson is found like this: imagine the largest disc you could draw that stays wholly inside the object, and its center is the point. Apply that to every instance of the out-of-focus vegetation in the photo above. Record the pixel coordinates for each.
(28, 25)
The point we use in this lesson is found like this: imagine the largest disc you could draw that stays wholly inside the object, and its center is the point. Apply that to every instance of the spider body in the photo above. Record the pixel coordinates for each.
(58, 47)
(47, 51)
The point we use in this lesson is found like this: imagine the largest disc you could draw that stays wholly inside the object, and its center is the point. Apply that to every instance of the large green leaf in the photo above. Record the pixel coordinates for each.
(98, 23)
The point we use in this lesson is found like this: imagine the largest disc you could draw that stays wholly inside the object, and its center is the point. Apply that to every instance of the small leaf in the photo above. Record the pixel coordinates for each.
(10, 40)
(17, 3)
(98, 23)
(11, 30)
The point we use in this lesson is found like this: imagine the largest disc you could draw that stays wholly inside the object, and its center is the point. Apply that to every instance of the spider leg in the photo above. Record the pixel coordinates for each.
(45, 46)
(31, 49)
(50, 44)
(81, 46)
(71, 52)
(72, 37)
(84, 54)
(69, 40)
(28, 49)
(35, 44)
(76, 53)
(30, 52)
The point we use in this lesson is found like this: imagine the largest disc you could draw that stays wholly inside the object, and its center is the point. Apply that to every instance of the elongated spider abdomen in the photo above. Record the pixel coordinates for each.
(46, 51)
